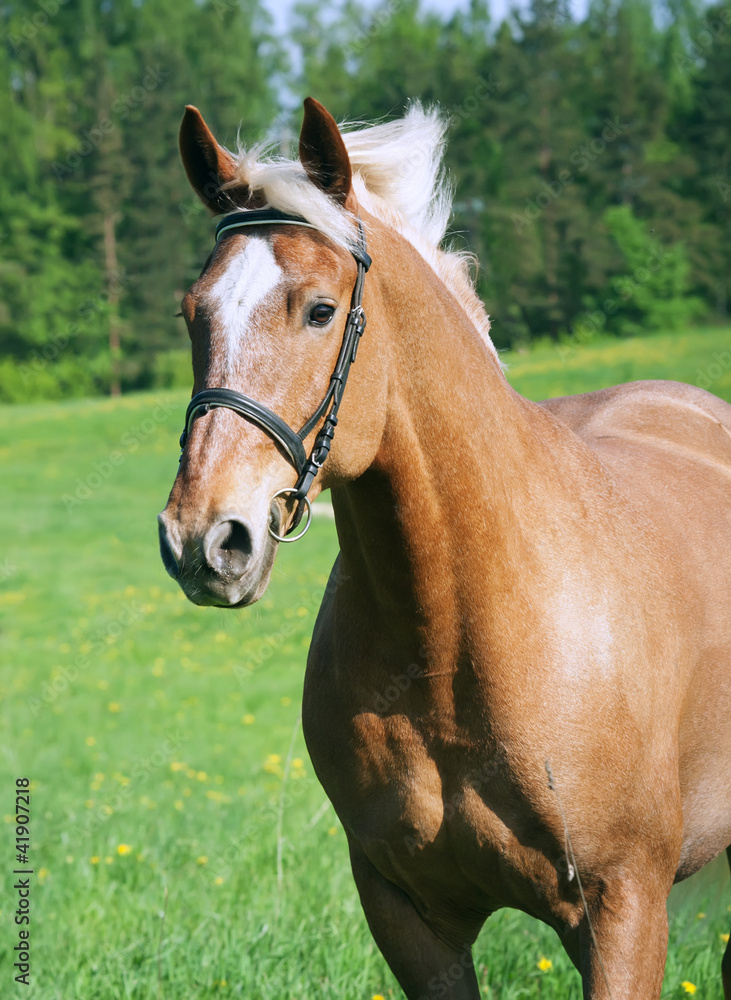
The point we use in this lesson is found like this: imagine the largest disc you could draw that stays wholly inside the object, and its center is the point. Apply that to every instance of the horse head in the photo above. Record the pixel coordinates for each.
(269, 320)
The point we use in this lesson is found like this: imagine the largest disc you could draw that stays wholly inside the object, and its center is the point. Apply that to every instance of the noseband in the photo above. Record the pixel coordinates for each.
(289, 441)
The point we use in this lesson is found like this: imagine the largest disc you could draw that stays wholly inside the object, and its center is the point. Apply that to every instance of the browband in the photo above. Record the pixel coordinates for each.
(269, 216)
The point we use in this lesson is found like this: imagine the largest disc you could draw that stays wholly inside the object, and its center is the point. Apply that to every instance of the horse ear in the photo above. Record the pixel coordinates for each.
(208, 165)
(323, 153)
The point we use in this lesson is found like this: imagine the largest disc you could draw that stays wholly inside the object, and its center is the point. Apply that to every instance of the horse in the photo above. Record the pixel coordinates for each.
(518, 691)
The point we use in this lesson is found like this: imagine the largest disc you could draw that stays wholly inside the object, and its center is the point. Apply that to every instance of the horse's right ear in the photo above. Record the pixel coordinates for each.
(208, 165)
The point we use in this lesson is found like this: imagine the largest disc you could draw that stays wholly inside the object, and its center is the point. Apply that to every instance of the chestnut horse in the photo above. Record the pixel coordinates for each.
(518, 691)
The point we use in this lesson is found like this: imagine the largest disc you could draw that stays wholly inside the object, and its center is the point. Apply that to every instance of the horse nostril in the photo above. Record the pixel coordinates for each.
(228, 548)
(167, 553)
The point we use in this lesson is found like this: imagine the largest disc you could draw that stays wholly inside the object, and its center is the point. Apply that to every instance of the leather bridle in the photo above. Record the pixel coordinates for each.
(291, 442)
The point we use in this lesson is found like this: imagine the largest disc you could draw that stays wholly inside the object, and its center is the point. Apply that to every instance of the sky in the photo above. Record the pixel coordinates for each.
(281, 9)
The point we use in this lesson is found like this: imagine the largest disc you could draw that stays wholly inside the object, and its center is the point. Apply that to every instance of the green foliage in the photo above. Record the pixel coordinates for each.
(557, 125)
(99, 237)
(652, 291)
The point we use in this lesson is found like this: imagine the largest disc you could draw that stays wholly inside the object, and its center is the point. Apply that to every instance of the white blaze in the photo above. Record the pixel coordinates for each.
(246, 282)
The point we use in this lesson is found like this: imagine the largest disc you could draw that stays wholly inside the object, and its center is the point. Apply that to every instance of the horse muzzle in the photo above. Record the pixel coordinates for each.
(226, 564)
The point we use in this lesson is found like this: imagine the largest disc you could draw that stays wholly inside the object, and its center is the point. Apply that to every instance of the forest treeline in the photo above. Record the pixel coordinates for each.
(592, 161)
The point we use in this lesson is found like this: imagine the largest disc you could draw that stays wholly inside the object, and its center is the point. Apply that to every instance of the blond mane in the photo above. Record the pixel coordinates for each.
(398, 177)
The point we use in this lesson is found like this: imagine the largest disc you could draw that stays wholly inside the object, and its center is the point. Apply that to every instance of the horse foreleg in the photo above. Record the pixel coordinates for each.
(426, 966)
(623, 943)
(726, 960)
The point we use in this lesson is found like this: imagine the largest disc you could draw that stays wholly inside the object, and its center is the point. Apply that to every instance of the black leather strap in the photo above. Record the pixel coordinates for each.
(257, 413)
(258, 217)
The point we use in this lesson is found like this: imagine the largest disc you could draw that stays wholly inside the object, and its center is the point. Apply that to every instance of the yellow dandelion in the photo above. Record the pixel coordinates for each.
(700, 916)
(544, 964)
(248, 719)
(90, 741)
(69, 859)
(216, 796)
(218, 880)
(689, 987)
(114, 706)
(378, 996)
(99, 776)
(202, 776)
(108, 860)
(95, 859)
(724, 938)
(332, 831)
(42, 873)
(297, 762)
(123, 849)
(157, 671)
(202, 860)
(107, 810)
(285, 701)
(272, 764)
(179, 805)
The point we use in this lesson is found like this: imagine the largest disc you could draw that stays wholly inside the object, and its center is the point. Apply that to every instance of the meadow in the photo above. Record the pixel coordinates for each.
(181, 845)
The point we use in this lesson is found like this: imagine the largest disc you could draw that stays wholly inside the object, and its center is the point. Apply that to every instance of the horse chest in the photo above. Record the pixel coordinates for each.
(425, 828)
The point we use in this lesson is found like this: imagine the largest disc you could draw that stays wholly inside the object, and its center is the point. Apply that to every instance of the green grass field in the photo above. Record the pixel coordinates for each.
(169, 774)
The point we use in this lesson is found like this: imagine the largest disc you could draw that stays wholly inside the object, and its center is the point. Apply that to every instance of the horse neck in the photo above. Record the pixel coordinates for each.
(462, 472)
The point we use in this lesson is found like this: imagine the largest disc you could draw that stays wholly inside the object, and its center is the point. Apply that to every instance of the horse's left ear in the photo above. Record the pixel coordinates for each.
(211, 169)
(323, 153)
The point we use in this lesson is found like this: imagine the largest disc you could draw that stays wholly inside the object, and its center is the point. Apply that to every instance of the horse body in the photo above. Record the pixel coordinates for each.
(519, 685)
(670, 446)
(542, 571)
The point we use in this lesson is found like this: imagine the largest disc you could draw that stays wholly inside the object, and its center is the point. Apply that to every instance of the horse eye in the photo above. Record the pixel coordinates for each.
(321, 314)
